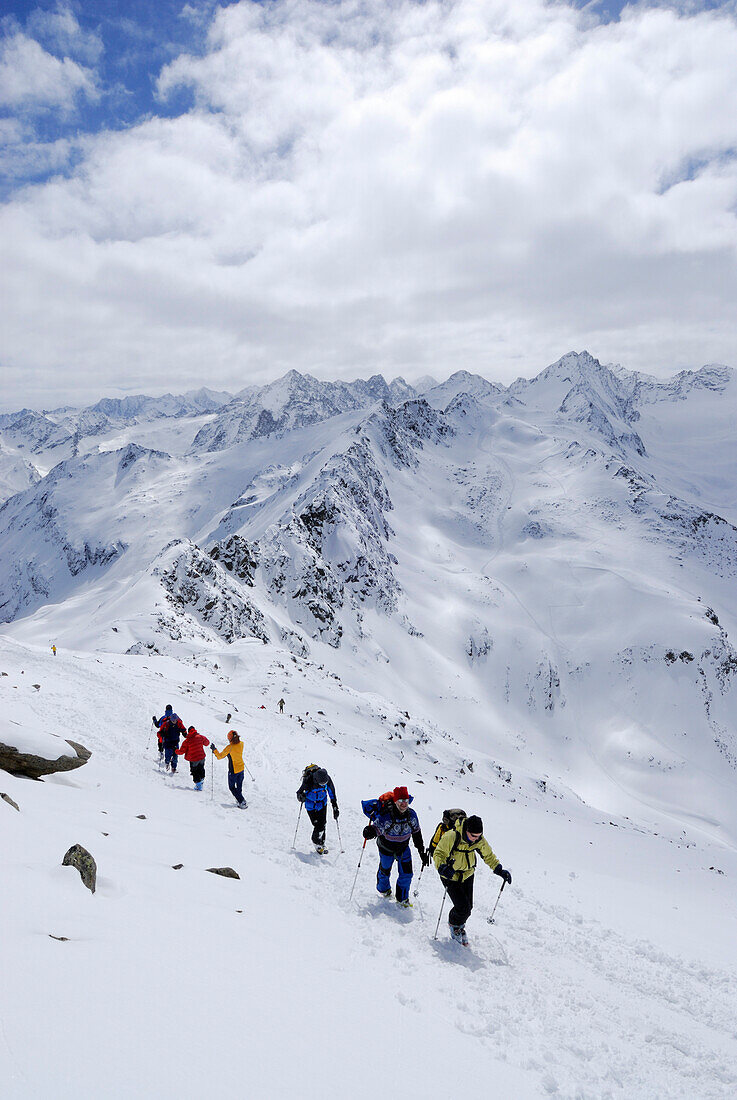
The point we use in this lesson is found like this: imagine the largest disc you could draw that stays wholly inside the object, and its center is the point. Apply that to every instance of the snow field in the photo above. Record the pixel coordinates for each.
(609, 972)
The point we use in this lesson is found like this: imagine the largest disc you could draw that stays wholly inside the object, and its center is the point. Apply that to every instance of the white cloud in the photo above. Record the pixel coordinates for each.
(33, 79)
(399, 186)
(59, 29)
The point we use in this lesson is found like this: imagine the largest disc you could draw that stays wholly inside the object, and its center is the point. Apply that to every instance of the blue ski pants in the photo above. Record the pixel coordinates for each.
(170, 757)
(404, 867)
(235, 784)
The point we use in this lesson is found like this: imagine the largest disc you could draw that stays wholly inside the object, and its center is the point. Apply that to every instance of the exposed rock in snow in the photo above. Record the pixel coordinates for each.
(79, 858)
(18, 758)
(196, 584)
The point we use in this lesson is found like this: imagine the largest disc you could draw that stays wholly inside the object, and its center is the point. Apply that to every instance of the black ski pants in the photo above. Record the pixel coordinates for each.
(319, 820)
(461, 894)
(197, 768)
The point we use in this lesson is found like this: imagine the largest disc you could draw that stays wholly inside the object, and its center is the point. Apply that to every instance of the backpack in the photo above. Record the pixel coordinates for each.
(372, 806)
(450, 820)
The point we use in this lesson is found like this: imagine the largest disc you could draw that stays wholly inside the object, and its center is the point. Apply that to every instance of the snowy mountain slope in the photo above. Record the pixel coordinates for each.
(610, 970)
(690, 426)
(16, 472)
(542, 597)
(35, 433)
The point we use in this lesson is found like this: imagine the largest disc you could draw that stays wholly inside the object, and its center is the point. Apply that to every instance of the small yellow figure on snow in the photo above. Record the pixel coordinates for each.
(53, 650)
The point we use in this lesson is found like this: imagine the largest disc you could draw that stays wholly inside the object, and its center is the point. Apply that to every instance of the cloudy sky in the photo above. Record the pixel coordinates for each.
(212, 194)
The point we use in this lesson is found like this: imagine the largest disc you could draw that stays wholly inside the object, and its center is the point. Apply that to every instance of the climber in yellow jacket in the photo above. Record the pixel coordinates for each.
(455, 860)
(234, 752)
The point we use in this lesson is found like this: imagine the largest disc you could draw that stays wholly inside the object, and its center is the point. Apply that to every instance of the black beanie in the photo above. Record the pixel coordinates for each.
(474, 824)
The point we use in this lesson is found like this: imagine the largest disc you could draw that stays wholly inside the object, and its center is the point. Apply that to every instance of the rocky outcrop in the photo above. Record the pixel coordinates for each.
(10, 801)
(33, 767)
(195, 583)
(79, 857)
(226, 872)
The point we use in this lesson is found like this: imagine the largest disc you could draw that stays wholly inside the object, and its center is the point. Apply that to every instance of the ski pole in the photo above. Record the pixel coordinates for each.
(212, 780)
(340, 841)
(490, 919)
(298, 817)
(248, 770)
(442, 905)
(353, 887)
(419, 880)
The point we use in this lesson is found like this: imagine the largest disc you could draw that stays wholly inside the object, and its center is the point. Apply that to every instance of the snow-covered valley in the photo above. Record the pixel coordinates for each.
(515, 600)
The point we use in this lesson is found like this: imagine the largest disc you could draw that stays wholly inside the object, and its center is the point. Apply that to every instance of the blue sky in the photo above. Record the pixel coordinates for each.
(124, 43)
(199, 193)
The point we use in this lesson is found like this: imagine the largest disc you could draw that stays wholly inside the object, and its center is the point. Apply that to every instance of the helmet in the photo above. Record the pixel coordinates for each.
(321, 776)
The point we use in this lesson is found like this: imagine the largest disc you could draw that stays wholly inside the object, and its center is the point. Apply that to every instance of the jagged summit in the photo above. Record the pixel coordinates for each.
(580, 389)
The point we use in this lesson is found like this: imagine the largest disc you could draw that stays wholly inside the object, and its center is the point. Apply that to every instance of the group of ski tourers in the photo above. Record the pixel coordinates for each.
(170, 729)
(392, 822)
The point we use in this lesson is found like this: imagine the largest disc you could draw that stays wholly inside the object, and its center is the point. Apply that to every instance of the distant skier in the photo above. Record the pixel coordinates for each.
(193, 751)
(234, 752)
(281, 706)
(393, 824)
(315, 790)
(455, 859)
(170, 727)
(53, 650)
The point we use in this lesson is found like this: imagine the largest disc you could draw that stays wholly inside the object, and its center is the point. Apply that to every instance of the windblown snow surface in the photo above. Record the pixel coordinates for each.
(517, 601)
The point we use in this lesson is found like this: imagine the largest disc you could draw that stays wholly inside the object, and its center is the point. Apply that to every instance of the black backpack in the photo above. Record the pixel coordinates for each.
(450, 820)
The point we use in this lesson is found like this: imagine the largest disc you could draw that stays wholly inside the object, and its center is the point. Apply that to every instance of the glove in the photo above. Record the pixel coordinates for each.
(300, 796)
(369, 832)
(153, 719)
(424, 858)
(499, 870)
(212, 748)
(336, 811)
(446, 871)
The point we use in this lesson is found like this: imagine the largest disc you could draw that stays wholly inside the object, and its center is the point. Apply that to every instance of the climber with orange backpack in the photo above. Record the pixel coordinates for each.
(394, 824)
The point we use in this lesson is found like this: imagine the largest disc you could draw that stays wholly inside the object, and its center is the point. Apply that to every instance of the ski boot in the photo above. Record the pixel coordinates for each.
(198, 786)
(458, 933)
(385, 893)
(404, 903)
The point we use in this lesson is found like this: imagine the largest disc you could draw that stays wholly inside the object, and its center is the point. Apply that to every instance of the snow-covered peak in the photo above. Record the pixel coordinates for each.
(580, 390)
(461, 382)
(292, 402)
(29, 430)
